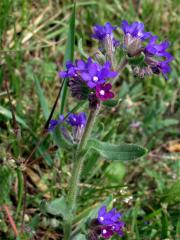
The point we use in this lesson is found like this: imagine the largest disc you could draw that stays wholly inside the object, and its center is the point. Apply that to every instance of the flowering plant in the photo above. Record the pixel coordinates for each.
(91, 80)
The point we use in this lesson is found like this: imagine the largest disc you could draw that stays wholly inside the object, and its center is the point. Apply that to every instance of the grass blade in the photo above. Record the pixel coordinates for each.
(42, 98)
(69, 54)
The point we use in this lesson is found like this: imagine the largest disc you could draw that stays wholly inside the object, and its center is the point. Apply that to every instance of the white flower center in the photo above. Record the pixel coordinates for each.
(102, 92)
(104, 231)
(101, 219)
(74, 119)
(95, 78)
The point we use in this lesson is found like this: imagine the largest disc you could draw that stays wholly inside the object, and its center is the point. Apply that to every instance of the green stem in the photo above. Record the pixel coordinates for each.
(20, 191)
(77, 169)
(120, 68)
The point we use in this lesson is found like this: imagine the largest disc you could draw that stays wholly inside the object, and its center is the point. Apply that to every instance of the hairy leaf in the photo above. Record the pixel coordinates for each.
(117, 152)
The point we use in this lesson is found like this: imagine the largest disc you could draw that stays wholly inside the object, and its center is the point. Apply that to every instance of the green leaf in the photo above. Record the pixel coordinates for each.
(165, 224)
(117, 152)
(5, 112)
(172, 194)
(110, 103)
(42, 98)
(60, 140)
(58, 207)
(136, 60)
(115, 172)
(5, 184)
(81, 50)
(80, 237)
(69, 54)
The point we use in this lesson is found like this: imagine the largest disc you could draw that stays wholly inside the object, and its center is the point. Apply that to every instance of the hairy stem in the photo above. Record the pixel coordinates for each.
(77, 168)
(120, 68)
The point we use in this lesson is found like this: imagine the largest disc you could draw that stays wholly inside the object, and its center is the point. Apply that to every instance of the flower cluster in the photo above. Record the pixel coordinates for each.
(76, 121)
(106, 225)
(89, 77)
(137, 41)
(157, 57)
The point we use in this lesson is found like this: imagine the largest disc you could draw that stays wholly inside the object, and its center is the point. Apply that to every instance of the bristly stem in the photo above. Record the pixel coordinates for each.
(120, 68)
(77, 168)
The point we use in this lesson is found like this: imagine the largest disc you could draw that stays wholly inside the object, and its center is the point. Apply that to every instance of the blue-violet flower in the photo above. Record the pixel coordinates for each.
(106, 225)
(77, 120)
(157, 56)
(54, 122)
(78, 123)
(101, 32)
(95, 74)
(134, 35)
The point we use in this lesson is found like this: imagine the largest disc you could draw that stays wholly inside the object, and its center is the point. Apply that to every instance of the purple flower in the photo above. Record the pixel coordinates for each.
(103, 92)
(100, 32)
(136, 30)
(54, 122)
(77, 120)
(107, 232)
(116, 43)
(70, 71)
(107, 42)
(134, 35)
(158, 50)
(95, 74)
(78, 123)
(110, 222)
(157, 56)
(108, 218)
(106, 225)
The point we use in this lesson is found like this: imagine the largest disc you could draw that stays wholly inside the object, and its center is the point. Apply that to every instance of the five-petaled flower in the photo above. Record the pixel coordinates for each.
(95, 74)
(103, 92)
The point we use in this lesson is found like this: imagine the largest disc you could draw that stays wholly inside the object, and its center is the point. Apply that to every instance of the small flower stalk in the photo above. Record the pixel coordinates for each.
(92, 80)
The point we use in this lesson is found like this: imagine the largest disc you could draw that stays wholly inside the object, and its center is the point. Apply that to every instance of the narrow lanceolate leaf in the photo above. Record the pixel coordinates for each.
(122, 152)
(69, 54)
(7, 113)
(42, 98)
